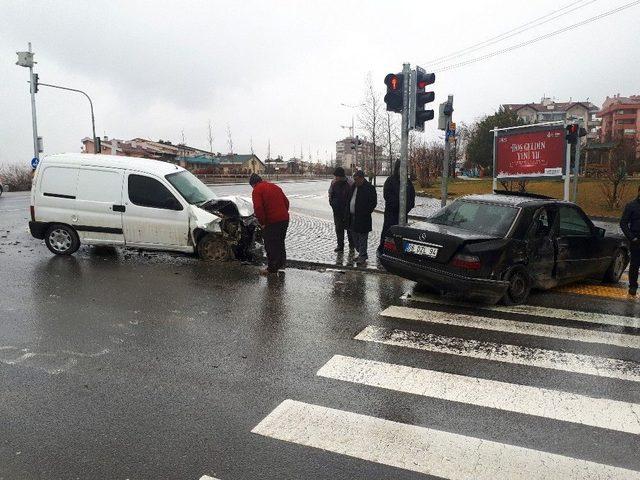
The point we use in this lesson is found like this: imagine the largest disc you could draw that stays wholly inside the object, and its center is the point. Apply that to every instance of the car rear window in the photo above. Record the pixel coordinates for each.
(485, 218)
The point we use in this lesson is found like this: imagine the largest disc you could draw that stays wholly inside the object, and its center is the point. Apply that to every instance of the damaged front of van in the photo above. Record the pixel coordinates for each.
(220, 228)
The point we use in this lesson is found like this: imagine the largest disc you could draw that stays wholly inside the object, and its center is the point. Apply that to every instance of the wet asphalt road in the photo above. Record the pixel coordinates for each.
(117, 364)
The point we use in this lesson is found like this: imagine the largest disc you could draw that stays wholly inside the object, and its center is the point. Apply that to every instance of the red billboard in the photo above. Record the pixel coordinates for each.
(538, 152)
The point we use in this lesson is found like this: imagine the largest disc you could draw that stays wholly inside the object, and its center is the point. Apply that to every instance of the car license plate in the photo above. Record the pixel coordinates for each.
(417, 249)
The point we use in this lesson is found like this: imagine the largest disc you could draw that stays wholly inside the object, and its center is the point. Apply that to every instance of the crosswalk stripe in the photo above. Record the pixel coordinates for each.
(423, 450)
(541, 402)
(506, 353)
(561, 314)
(511, 326)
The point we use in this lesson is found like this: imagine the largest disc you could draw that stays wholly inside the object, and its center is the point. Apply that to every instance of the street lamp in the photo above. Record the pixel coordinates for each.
(93, 120)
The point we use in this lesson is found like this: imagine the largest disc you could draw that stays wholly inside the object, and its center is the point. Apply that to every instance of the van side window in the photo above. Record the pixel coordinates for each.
(149, 192)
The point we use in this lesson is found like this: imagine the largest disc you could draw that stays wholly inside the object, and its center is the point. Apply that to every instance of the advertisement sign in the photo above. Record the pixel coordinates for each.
(530, 152)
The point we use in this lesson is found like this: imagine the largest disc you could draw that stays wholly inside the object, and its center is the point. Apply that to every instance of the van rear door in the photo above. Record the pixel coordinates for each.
(98, 206)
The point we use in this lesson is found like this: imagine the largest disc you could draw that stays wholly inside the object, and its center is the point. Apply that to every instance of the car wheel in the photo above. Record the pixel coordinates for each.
(617, 267)
(62, 240)
(519, 287)
(213, 248)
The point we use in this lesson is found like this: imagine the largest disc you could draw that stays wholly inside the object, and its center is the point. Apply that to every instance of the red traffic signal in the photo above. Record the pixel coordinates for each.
(394, 97)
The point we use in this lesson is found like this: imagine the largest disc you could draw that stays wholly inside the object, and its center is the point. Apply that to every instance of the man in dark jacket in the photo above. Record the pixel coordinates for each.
(339, 193)
(362, 202)
(391, 192)
(630, 225)
(271, 208)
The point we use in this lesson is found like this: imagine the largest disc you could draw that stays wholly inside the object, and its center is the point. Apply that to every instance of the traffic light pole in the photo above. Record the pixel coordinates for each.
(576, 167)
(445, 161)
(404, 145)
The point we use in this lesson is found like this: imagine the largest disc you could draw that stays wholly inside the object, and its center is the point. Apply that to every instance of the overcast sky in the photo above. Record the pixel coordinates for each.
(279, 70)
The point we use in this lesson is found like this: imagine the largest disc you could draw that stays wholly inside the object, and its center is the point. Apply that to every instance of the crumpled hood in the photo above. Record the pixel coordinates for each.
(244, 204)
(202, 219)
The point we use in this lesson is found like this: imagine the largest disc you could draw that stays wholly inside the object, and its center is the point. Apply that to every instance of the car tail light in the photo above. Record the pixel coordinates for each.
(32, 209)
(469, 262)
(389, 245)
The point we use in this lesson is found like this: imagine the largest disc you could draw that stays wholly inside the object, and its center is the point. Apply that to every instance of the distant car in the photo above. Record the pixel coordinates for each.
(136, 202)
(500, 246)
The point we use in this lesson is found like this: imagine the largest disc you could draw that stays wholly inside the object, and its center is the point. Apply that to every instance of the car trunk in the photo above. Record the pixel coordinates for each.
(447, 239)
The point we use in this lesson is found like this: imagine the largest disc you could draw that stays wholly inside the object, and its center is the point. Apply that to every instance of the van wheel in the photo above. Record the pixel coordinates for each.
(62, 240)
(519, 287)
(617, 267)
(213, 248)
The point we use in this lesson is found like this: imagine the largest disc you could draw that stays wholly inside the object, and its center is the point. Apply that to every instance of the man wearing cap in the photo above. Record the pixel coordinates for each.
(362, 202)
(271, 208)
(630, 225)
(339, 193)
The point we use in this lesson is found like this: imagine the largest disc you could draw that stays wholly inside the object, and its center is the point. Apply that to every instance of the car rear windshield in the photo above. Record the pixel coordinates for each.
(485, 218)
(190, 187)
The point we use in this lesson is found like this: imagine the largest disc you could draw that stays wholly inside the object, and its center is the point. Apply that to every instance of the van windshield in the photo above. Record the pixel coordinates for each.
(190, 187)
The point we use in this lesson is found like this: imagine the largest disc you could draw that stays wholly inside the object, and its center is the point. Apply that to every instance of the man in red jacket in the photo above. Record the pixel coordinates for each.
(271, 208)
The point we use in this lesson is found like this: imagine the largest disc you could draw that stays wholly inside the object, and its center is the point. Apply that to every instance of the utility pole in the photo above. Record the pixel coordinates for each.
(25, 59)
(404, 144)
(567, 171)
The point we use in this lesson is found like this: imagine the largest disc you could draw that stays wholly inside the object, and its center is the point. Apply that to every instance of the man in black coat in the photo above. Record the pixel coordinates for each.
(362, 202)
(339, 195)
(391, 192)
(630, 225)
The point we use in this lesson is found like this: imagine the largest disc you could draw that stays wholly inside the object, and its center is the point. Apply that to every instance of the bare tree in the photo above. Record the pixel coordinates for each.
(370, 119)
(621, 159)
(229, 139)
(426, 160)
(210, 136)
(392, 137)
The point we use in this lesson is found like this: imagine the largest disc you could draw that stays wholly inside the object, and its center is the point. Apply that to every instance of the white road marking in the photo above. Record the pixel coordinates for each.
(424, 450)
(541, 402)
(207, 477)
(561, 314)
(498, 352)
(513, 326)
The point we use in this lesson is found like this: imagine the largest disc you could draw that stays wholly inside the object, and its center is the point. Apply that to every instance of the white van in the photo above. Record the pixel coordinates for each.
(114, 200)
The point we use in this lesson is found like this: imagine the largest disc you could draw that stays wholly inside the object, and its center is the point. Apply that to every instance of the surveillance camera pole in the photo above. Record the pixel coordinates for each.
(25, 59)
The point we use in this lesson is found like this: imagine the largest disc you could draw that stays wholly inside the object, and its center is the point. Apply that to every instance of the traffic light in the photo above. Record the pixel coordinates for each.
(355, 142)
(423, 97)
(394, 98)
(35, 83)
(572, 133)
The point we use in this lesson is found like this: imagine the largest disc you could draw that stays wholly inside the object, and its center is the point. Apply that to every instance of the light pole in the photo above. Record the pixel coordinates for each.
(25, 59)
(93, 120)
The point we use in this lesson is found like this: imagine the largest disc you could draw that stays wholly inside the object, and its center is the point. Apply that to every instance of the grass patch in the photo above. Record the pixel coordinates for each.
(590, 196)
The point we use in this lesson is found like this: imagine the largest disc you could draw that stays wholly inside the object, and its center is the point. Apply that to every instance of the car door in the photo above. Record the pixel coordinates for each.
(98, 216)
(577, 250)
(541, 247)
(154, 217)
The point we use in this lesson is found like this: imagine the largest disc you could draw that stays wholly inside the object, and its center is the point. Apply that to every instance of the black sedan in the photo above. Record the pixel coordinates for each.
(500, 246)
